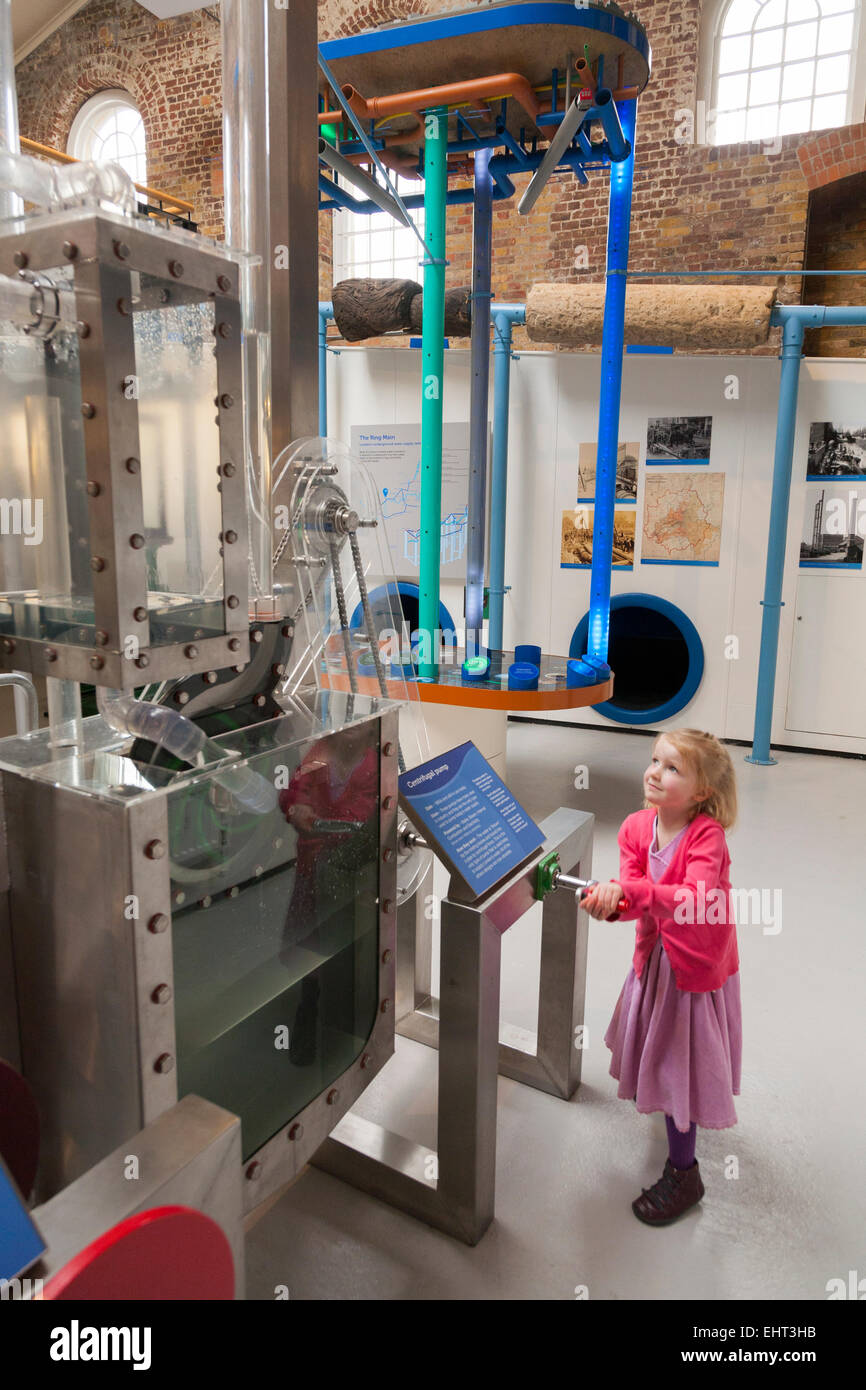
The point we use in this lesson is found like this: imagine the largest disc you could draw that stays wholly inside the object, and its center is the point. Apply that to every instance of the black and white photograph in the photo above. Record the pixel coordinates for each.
(836, 451)
(834, 521)
(679, 439)
(627, 459)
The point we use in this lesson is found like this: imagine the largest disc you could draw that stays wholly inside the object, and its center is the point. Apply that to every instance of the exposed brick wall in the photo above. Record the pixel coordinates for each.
(172, 70)
(837, 241)
(696, 207)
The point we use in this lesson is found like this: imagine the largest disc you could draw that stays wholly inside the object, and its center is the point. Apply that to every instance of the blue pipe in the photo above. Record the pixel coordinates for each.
(482, 239)
(605, 110)
(794, 320)
(326, 312)
(613, 335)
(504, 318)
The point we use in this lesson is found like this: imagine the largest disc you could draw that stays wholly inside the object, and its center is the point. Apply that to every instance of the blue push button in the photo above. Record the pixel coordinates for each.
(522, 675)
(578, 673)
(600, 666)
(528, 653)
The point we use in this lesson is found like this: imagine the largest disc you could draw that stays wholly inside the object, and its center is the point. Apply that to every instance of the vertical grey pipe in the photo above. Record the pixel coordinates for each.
(482, 236)
(10, 204)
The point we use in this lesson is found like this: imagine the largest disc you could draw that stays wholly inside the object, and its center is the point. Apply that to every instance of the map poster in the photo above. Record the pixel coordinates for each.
(392, 453)
(834, 524)
(682, 518)
(627, 458)
(577, 528)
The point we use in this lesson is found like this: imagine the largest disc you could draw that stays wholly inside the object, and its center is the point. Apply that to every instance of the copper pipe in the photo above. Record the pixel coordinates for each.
(451, 94)
(585, 76)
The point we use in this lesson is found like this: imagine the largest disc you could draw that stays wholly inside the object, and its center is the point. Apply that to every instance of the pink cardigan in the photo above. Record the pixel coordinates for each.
(690, 905)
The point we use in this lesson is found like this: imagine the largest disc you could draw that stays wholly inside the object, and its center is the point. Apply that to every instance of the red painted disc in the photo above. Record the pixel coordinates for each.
(162, 1254)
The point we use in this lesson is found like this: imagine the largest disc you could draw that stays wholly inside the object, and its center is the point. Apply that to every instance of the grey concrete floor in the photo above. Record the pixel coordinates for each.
(785, 1200)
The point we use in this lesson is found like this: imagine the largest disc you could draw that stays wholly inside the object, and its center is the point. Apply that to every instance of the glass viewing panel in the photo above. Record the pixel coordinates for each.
(275, 920)
(176, 371)
(46, 583)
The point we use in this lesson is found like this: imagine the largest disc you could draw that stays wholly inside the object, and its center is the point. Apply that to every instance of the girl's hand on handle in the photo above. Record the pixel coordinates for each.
(603, 900)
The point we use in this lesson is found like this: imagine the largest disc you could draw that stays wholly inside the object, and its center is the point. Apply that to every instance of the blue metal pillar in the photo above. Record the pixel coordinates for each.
(794, 319)
(326, 312)
(613, 335)
(482, 238)
(504, 318)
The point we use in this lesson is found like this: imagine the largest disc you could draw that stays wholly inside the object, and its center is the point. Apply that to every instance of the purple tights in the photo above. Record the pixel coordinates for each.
(681, 1146)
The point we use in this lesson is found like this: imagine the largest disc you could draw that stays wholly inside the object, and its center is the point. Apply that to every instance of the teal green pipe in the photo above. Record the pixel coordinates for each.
(433, 368)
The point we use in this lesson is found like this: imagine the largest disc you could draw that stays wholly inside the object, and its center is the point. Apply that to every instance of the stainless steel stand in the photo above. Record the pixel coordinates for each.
(459, 1197)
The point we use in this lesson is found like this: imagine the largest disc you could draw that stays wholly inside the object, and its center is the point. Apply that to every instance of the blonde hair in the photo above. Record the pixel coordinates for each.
(711, 763)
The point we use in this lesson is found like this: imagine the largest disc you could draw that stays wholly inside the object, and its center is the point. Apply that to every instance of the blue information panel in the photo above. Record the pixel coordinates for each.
(469, 817)
(20, 1242)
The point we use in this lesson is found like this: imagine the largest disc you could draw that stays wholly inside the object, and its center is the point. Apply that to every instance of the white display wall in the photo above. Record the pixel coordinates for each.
(820, 693)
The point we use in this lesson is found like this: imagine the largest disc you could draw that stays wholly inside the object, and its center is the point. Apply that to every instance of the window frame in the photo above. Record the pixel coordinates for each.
(110, 97)
(712, 19)
(341, 237)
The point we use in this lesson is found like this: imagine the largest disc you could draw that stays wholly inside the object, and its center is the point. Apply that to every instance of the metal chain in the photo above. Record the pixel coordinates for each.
(341, 608)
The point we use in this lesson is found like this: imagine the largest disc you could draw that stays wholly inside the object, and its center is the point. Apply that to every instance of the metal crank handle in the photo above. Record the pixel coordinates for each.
(582, 887)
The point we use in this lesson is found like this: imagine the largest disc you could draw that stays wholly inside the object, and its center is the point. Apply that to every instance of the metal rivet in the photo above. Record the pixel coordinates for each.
(161, 994)
(83, 329)
(121, 250)
(388, 905)
(158, 923)
(93, 489)
(233, 602)
(224, 283)
(88, 410)
(136, 541)
(366, 1060)
(50, 654)
(296, 1131)
(97, 663)
(22, 260)
(388, 749)
(278, 670)
(210, 677)
(234, 644)
(124, 307)
(164, 1063)
(97, 563)
(191, 652)
(287, 630)
(233, 892)
(70, 250)
(225, 330)
(253, 1171)
(387, 803)
(133, 465)
(231, 537)
(226, 401)
(142, 661)
(101, 638)
(205, 901)
(239, 670)
(333, 1096)
(176, 269)
(388, 855)
(155, 849)
(8, 645)
(257, 635)
(229, 470)
(386, 956)
(181, 697)
(140, 615)
(384, 1006)
(260, 701)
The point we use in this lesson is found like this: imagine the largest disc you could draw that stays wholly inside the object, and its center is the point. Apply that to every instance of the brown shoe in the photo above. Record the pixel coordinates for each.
(676, 1191)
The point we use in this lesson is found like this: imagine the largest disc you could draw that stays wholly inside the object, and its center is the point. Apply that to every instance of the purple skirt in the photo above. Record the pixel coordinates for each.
(677, 1051)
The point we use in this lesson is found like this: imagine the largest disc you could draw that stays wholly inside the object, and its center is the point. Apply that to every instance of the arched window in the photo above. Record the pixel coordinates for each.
(783, 66)
(109, 127)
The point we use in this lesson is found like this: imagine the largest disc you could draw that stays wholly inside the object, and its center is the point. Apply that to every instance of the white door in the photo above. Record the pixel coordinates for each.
(827, 680)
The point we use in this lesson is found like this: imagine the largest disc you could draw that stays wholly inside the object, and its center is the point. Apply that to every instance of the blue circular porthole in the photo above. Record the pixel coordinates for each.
(382, 606)
(656, 655)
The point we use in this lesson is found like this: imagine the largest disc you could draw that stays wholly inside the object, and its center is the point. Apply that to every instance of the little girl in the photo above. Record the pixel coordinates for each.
(676, 1034)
